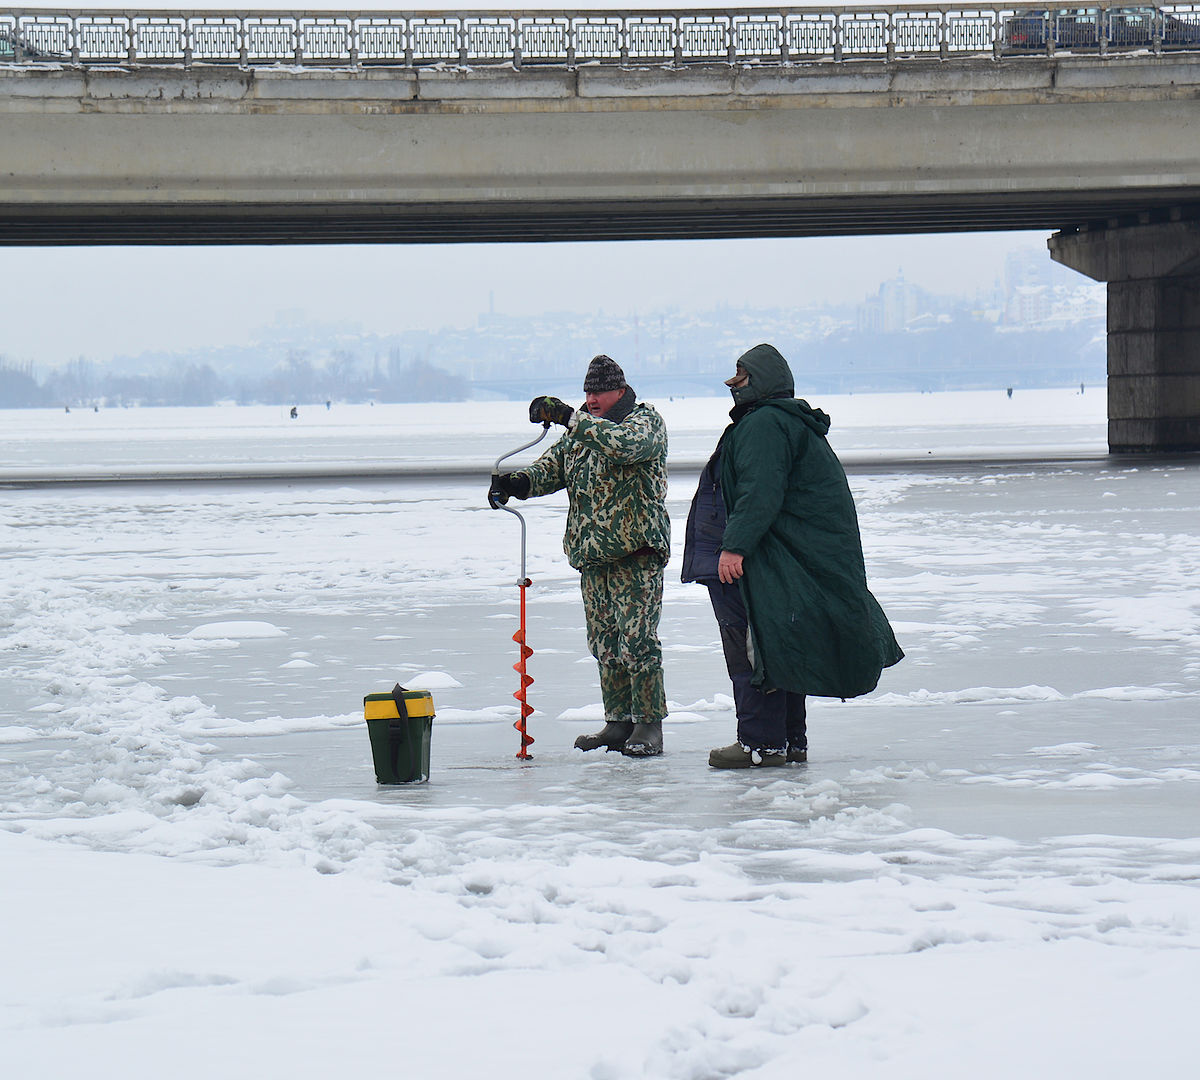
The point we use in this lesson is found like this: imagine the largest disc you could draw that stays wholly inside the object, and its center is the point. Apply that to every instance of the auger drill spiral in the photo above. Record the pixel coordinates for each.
(524, 652)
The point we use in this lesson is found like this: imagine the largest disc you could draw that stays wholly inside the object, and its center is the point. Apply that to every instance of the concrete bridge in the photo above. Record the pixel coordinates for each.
(235, 128)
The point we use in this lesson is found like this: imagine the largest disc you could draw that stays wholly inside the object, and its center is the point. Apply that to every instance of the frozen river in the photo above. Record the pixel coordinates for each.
(997, 850)
(356, 440)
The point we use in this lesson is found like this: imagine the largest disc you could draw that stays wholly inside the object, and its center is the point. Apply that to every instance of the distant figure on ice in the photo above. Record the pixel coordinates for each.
(613, 462)
(773, 533)
(1010, 391)
(294, 413)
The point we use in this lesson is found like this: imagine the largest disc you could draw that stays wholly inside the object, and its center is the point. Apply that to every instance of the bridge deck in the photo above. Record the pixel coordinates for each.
(134, 154)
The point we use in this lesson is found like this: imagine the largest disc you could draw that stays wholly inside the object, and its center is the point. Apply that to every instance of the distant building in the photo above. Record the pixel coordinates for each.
(1028, 305)
(1039, 292)
(892, 308)
(1029, 267)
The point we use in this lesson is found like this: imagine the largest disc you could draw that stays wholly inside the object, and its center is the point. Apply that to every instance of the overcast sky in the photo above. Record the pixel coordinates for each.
(60, 303)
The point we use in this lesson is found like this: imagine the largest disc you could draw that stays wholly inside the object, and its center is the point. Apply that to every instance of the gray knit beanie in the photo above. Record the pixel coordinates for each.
(603, 373)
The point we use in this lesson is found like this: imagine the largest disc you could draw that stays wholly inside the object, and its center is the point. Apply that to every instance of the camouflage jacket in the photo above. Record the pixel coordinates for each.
(615, 474)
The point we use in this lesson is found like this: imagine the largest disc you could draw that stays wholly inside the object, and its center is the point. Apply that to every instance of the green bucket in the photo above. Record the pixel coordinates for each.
(399, 725)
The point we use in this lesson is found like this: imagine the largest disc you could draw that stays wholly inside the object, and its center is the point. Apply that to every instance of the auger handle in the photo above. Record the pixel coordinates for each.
(526, 446)
(522, 580)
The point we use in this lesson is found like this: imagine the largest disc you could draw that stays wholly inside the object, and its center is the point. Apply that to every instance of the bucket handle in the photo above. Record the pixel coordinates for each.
(398, 693)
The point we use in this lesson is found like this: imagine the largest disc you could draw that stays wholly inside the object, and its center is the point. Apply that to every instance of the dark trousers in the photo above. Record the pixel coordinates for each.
(771, 720)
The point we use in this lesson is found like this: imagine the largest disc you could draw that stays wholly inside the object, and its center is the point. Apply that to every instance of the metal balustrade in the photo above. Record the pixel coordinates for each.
(519, 38)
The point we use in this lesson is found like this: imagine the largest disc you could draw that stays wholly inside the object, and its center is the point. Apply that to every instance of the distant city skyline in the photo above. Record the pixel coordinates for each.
(63, 303)
(1041, 326)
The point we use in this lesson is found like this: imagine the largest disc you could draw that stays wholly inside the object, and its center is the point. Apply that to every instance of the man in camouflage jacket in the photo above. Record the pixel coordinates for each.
(612, 460)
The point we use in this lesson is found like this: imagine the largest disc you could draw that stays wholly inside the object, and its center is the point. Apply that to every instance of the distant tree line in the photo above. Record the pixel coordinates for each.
(18, 387)
(957, 352)
(296, 381)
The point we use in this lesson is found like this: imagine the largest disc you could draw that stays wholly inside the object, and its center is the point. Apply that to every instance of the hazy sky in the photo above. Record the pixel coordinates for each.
(59, 303)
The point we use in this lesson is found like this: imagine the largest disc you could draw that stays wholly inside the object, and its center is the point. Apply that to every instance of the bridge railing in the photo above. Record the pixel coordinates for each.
(571, 38)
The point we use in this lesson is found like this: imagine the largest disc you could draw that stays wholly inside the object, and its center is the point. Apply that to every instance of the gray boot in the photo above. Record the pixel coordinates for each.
(612, 736)
(646, 740)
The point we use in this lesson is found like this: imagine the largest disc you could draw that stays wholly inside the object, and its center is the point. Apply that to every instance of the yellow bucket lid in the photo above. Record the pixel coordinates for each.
(418, 703)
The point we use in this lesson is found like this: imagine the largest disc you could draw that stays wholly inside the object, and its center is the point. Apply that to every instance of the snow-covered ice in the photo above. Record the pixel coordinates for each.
(989, 868)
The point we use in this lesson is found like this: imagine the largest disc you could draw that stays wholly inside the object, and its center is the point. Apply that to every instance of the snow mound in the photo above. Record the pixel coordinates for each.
(1132, 693)
(719, 703)
(18, 734)
(493, 715)
(1069, 749)
(975, 695)
(585, 713)
(595, 714)
(235, 631)
(218, 726)
(432, 680)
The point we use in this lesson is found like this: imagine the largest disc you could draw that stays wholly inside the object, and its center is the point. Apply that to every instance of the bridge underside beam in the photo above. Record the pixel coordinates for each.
(624, 219)
(1153, 275)
(143, 154)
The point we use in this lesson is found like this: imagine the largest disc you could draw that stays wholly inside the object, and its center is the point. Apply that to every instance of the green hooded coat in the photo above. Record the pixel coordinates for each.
(816, 627)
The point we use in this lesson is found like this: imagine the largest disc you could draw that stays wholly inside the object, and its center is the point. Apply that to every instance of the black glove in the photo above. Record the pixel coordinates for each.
(549, 410)
(505, 485)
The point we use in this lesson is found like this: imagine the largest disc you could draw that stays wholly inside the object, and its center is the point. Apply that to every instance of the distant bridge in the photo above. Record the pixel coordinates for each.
(234, 128)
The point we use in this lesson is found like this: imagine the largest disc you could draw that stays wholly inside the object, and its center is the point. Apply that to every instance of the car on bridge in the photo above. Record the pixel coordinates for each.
(1035, 29)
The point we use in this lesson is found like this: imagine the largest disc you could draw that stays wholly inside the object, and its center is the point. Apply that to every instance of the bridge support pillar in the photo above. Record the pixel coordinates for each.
(1153, 275)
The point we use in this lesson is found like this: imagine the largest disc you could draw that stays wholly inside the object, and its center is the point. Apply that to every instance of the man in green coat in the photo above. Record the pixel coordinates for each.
(774, 524)
(612, 460)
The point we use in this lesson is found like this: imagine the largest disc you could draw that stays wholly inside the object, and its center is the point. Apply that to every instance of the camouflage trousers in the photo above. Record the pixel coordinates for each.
(622, 602)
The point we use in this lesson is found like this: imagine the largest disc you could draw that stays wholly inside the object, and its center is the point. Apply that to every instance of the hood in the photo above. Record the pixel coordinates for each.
(817, 419)
(770, 376)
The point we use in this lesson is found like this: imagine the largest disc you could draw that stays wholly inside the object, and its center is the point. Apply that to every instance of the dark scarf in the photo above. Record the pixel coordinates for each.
(738, 411)
(623, 407)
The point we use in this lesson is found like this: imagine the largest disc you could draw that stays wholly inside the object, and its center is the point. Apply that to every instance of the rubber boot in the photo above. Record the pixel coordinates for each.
(736, 756)
(797, 755)
(612, 736)
(646, 740)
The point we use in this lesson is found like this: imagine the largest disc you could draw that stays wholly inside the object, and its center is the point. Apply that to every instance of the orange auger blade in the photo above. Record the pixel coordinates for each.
(524, 652)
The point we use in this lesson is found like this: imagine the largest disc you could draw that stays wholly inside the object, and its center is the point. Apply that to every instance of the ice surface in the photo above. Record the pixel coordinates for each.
(988, 868)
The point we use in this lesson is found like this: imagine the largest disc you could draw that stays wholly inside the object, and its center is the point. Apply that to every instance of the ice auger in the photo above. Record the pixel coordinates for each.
(524, 652)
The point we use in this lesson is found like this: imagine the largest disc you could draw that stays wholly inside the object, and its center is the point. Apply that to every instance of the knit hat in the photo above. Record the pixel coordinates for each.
(603, 373)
